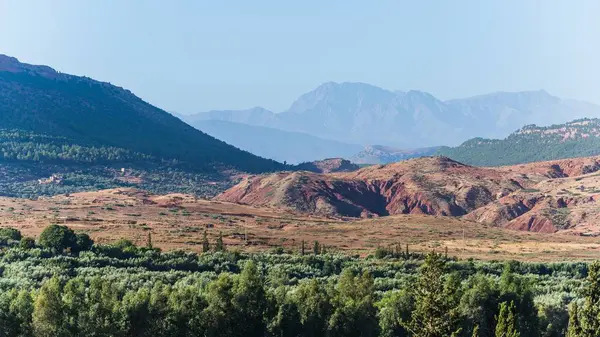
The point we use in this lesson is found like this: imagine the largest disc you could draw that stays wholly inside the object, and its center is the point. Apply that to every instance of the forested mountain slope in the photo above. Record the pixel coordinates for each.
(579, 138)
(49, 116)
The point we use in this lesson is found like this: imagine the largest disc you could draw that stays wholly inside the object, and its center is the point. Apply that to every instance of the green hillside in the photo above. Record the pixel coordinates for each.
(579, 138)
(49, 116)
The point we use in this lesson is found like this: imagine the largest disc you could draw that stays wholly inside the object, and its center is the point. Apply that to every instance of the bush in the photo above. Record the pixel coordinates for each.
(83, 242)
(27, 243)
(10, 234)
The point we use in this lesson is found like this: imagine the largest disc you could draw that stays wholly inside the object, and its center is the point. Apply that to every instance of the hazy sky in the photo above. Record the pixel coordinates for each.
(192, 56)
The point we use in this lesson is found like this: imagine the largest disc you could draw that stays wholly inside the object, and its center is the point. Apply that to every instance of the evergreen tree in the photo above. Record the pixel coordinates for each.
(220, 246)
(574, 324)
(316, 248)
(205, 243)
(507, 324)
(149, 241)
(436, 313)
(589, 314)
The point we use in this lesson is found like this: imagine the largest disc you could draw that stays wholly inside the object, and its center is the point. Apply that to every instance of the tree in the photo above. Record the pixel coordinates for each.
(316, 248)
(219, 317)
(58, 238)
(479, 304)
(518, 290)
(303, 247)
(475, 331)
(48, 311)
(27, 243)
(205, 243)
(574, 329)
(10, 234)
(220, 246)
(354, 312)
(395, 308)
(436, 313)
(314, 305)
(83, 242)
(249, 300)
(507, 323)
(585, 321)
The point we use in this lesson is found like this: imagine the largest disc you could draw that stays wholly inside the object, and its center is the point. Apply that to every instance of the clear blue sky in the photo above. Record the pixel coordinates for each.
(191, 56)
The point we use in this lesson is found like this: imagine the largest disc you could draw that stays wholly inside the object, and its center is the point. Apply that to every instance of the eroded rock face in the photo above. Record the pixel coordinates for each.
(436, 186)
(524, 197)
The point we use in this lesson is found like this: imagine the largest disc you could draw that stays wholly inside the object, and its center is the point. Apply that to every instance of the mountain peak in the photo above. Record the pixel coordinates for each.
(12, 64)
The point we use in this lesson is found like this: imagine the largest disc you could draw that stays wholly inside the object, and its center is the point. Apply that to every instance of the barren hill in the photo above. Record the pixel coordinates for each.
(432, 185)
(567, 203)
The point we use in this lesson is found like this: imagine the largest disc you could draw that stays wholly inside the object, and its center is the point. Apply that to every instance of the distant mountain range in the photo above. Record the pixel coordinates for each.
(378, 154)
(579, 138)
(358, 113)
(283, 146)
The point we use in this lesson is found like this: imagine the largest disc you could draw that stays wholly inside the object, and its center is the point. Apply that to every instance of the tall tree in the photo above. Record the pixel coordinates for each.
(589, 314)
(436, 313)
(507, 324)
(205, 243)
(574, 329)
(220, 245)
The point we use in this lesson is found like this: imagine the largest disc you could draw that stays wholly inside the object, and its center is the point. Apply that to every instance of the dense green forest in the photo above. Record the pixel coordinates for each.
(530, 144)
(59, 117)
(65, 285)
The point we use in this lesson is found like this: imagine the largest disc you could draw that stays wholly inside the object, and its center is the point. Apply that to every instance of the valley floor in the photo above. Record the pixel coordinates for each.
(178, 221)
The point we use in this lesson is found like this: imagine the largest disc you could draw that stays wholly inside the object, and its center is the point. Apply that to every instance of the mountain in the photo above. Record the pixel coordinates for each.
(569, 202)
(379, 154)
(531, 143)
(80, 111)
(329, 165)
(545, 196)
(256, 116)
(50, 118)
(359, 113)
(283, 146)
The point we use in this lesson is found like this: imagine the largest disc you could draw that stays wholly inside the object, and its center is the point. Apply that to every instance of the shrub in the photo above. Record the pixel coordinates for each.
(58, 238)
(10, 234)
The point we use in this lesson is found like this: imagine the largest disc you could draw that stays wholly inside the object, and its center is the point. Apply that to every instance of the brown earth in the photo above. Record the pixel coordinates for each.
(178, 221)
(434, 186)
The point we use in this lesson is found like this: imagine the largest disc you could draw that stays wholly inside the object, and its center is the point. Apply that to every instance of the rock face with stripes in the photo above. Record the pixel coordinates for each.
(545, 196)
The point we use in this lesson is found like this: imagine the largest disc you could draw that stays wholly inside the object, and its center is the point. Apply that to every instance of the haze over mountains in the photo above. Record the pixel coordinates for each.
(358, 113)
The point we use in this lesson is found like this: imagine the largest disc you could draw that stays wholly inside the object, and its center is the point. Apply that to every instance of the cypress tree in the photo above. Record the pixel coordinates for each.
(220, 246)
(574, 329)
(205, 243)
(506, 326)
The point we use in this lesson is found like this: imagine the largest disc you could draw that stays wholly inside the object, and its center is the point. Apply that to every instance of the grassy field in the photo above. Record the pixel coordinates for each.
(178, 221)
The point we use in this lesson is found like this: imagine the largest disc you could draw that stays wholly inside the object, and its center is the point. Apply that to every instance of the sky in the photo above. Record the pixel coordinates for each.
(190, 56)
